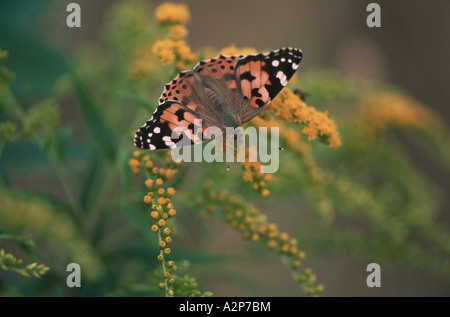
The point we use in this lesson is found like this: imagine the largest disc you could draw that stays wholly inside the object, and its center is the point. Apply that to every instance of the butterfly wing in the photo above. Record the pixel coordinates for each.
(178, 110)
(262, 76)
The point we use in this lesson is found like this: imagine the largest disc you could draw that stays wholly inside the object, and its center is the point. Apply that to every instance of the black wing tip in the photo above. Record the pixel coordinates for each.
(138, 142)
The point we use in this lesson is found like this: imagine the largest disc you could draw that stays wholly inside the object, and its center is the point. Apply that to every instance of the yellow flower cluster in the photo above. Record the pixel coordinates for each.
(172, 13)
(254, 226)
(252, 173)
(161, 209)
(233, 50)
(290, 108)
(308, 279)
(174, 49)
(166, 173)
(170, 51)
(293, 140)
(382, 111)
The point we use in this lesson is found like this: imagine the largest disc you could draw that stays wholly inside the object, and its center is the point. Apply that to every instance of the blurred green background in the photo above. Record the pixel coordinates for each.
(410, 51)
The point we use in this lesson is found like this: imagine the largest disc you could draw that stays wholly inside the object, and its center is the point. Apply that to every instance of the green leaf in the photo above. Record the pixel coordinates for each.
(95, 121)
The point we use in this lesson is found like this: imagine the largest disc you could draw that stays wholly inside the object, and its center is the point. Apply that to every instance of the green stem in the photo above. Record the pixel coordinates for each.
(163, 263)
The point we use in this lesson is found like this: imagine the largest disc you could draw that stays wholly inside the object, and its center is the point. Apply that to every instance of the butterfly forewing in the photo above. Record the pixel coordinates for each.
(262, 76)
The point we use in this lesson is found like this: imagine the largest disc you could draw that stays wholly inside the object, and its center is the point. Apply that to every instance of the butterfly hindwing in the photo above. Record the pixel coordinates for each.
(157, 132)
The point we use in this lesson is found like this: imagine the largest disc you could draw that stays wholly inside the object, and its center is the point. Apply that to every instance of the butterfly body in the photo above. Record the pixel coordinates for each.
(222, 92)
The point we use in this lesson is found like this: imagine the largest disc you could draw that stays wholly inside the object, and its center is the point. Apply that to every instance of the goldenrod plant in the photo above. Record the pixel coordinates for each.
(139, 223)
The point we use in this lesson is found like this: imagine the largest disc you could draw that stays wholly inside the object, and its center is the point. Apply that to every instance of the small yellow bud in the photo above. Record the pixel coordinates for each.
(319, 288)
(148, 164)
(168, 239)
(172, 212)
(170, 191)
(170, 292)
(284, 237)
(155, 170)
(170, 263)
(170, 173)
(265, 192)
(296, 264)
(161, 191)
(160, 257)
(285, 248)
(154, 214)
(162, 244)
(272, 244)
(161, 222)
(133, 162)
(147, 199)
(154, 228)
(165, 216)
(161, 285)
(167, 251)
(166, 274)
(273, 227)
(171, 280)
(262, 230)
(255, 237)
(162, 171)
(159, 181)
(161, 201)
(149, 183)
(166, 231)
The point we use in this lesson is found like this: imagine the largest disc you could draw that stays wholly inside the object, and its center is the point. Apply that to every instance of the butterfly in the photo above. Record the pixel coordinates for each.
(225, 91)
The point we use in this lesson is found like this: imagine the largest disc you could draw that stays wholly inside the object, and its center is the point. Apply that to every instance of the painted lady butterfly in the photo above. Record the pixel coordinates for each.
(225, 91)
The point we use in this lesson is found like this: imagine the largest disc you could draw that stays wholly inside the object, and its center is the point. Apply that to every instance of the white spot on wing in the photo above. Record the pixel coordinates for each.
(152, 147)
(275, 63)
(282, 77)
(294, 66)
(157, 130)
